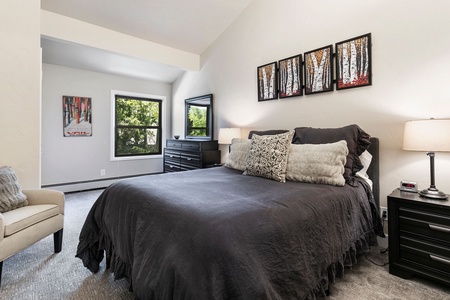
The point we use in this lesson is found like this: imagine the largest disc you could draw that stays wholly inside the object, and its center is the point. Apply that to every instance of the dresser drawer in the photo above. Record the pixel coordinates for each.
(168, 167)
(185, 145)
(171, 162)
(173, 144)
(173, 155)
(191, 159)
(428, 224)
(187, 167)
(427, 254)
(191, 146)
(184, 155)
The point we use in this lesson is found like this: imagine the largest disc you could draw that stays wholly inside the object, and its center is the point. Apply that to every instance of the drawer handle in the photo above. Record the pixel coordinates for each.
(189, 159)
(440, 259)
(439, 228)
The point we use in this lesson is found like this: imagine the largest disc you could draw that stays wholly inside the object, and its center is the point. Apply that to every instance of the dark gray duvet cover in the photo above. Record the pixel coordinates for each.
(217, 234)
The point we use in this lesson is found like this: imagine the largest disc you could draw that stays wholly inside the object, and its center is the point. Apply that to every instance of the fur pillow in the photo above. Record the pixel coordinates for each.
(320, 163)
(357, 141)
(237, 158)
(11, 196)
(268, 156)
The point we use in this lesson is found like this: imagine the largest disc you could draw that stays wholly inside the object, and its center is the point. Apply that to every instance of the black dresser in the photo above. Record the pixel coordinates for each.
(419, 236)
(184, 155)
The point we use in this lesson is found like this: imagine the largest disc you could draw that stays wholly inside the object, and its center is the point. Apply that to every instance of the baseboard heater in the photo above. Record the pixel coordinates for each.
(77, 186)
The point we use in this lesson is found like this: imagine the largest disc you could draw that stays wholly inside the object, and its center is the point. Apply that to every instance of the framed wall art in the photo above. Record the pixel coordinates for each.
(290, 73)
(319, 70)
(77, 116)
(267, 82)
(354, 62)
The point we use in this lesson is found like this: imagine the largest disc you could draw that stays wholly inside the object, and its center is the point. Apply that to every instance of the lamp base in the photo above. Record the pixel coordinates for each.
(433, 193)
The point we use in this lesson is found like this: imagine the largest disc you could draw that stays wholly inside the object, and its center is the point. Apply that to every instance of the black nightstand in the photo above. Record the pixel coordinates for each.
(419, 236)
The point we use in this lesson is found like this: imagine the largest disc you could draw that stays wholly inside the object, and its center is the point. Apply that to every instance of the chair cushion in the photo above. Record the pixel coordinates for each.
(20, 218)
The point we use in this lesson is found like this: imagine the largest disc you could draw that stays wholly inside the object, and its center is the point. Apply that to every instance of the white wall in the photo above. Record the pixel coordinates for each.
(20, 86)
(79, 159)
(411, 61)
(64, 28)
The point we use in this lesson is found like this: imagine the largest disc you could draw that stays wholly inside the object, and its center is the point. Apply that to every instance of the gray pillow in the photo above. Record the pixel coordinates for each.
(268, 156)
(11, 196)
(321, 163)
(237, 158)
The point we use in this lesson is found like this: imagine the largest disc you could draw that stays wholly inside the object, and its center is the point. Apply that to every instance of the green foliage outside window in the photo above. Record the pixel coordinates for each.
(197, 125)
(138, 126)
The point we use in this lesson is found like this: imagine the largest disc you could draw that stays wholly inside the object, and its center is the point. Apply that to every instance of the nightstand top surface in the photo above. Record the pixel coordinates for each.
(416, 197)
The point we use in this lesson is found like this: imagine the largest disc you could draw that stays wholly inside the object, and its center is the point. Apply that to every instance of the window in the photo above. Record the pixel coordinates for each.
(137, 125)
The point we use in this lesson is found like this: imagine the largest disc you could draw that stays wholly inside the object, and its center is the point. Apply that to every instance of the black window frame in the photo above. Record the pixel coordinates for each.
(118, 127)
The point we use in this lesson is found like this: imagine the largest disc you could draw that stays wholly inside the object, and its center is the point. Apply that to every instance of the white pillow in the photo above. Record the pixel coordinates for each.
(237, 158)
(366, 159)
(317, 163)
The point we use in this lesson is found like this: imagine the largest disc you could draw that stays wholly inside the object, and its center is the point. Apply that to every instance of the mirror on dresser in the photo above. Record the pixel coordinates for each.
(198, 149)
(198, 118)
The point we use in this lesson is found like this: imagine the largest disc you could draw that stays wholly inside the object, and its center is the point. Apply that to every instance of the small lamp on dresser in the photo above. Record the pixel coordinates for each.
(226, 135)
(432, 135)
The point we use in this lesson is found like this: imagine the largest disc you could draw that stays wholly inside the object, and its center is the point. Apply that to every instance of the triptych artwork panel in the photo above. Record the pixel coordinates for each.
(353, 66)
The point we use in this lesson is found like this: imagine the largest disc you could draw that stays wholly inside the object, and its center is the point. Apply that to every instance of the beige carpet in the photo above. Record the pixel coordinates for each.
(38, 273)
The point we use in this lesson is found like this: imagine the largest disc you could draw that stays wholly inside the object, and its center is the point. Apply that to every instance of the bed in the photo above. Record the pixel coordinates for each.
(218, 234)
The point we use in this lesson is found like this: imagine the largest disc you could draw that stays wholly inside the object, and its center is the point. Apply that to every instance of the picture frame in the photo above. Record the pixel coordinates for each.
(77, 116)
(290, 77)
(354, 62)
(267, 82)
(319, 70)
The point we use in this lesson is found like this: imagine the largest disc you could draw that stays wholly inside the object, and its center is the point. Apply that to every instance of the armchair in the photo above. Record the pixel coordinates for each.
(24, 226)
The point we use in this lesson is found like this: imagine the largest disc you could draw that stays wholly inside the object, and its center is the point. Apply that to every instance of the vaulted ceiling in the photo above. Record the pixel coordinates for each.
(191, 26)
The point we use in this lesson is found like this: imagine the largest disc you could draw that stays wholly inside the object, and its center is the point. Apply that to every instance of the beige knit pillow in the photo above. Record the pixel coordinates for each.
(237, 158)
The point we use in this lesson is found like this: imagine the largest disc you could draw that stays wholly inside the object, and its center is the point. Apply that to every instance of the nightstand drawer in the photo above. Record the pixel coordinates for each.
(426, 254)
(419, 236)
(427, 224)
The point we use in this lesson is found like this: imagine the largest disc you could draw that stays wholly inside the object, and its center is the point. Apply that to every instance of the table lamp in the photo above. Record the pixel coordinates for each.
(227, 134)
(430, 136)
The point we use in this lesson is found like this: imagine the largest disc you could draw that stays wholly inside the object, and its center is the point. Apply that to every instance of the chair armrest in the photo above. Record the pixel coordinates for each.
(45, 196)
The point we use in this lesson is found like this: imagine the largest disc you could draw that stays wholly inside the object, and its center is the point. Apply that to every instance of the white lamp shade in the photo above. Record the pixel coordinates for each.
(227, 134)
(431, 135)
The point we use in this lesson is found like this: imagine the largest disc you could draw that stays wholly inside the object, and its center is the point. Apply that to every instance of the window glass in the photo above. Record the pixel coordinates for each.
(137, 126)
